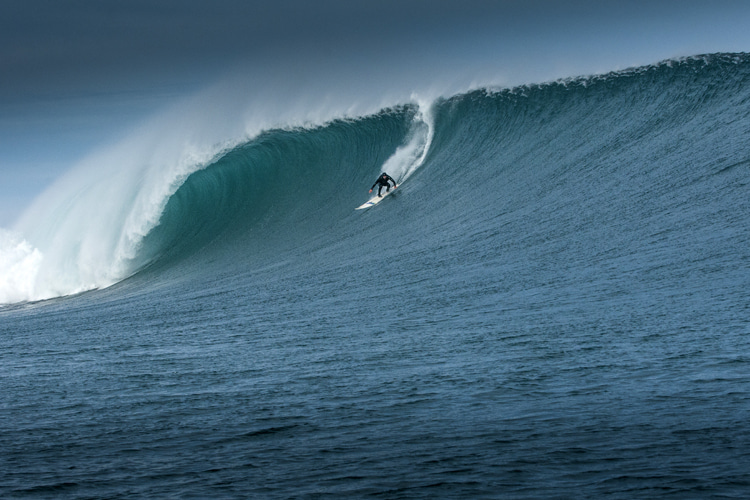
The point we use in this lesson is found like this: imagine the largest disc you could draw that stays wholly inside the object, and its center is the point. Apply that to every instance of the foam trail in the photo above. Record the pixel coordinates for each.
(409, 157)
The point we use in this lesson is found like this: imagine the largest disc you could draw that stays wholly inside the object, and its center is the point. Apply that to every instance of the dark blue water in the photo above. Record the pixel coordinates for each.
(554, 304)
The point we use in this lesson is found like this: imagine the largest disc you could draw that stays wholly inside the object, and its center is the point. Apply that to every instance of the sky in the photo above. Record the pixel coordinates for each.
(76, 75)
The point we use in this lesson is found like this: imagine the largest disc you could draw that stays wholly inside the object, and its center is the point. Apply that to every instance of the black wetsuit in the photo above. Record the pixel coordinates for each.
(383, 182)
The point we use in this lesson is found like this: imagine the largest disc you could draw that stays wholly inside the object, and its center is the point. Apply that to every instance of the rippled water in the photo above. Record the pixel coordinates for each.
(553, 305)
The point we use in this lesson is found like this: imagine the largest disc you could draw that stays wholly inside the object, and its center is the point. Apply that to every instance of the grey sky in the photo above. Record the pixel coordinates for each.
(74, 74)
(53, 47)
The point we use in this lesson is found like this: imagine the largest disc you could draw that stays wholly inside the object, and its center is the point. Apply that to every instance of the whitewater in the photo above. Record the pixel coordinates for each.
(554, 303)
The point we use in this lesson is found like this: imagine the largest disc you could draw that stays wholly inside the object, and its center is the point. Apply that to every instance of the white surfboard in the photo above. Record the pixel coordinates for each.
(374, 200)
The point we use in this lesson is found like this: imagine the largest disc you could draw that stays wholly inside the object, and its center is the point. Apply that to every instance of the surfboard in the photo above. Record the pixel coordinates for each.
(374, 200)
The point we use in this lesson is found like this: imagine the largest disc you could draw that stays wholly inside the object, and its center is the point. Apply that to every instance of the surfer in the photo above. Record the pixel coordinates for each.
(383, 182)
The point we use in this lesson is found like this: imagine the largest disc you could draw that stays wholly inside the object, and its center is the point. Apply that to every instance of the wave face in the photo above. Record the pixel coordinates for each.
(603, 166)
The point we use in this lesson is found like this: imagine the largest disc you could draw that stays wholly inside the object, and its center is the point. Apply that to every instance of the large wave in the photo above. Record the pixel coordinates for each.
(163, 188)
(179, 184)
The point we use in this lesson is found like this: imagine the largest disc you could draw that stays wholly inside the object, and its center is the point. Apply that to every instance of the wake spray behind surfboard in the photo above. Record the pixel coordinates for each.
(409, 157)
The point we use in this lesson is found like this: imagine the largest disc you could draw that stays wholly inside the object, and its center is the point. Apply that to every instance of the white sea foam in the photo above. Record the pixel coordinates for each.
(90, 223)
(19, 265)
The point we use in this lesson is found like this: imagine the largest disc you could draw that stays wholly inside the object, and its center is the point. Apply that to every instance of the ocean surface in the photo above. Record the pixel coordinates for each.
(555, 303)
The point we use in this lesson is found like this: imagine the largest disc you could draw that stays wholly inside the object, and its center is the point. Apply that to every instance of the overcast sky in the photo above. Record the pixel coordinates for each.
(76, 73)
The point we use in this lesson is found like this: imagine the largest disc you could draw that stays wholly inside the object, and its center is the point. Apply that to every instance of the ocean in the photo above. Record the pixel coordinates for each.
(554, 303)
